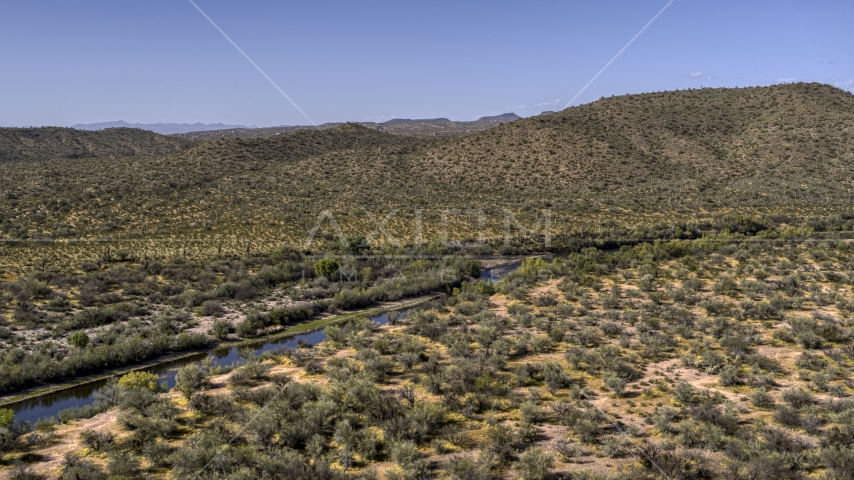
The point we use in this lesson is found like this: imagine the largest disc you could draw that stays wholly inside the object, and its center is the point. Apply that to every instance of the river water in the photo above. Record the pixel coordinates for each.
(51, 404)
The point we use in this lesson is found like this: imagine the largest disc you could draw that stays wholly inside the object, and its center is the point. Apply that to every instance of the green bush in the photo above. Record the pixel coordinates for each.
(221, 328)
(190, 379)
(326, 267)
(76, 468)
(729, 376)
(615, 384)
(410, 460)
(466, 467)
(501, 441)
(246, 329)
(534, 464)
(140, 379)
(78, 339)
(6, 417)
(211, 308)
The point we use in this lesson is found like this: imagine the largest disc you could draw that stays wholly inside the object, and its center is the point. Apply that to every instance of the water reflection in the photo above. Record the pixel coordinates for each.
(50, 405)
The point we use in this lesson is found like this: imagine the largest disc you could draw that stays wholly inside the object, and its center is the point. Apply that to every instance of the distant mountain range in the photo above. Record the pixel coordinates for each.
(203, 131)
(122, 139)
(424, 127)
(161, 128)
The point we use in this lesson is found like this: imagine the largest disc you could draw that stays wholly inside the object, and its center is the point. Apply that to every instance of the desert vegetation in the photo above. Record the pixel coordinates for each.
(684, 309)
(727, 358)
(116, 311)
(658, 165)
(51, 143)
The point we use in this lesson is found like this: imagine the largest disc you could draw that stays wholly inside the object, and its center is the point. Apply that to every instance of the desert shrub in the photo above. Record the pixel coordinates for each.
(555, 377)
(6, 417)
(410, 460)
(763, 363)
(530, 412)
(840, 460)
(725, 285)
(76, 468)
(78, 339)
(466, 467)
(190, 379)
(798, 397)
(22, 471)
(326, 267)
(501, 441)
(250, 373)
(221, 328)
(122, 465)
(569, 452)
(729, 376)
(663, 419)
(566, 413)
(286, 315)
(313, 367)
(157, 452)
(615, 446)
(96, 440)
(684, 393)
(246, 329)
(211, 308)
(545, 300)
(587, 429)
(534, 464)
(183, 341)
(809, 361)
(761, 398)
(615, 384)
(214, 405)
(528, 433)
(140, 379)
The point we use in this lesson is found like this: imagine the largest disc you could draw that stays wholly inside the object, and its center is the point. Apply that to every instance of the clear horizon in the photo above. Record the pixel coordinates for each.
(163, 62)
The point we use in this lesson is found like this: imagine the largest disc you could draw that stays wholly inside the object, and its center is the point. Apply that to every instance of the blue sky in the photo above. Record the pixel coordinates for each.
(87, 61)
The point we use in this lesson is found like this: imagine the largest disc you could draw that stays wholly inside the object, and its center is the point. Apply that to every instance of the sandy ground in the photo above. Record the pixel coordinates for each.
(67, 440)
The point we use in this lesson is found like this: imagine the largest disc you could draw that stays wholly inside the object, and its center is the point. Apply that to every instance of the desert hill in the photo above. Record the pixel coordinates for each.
(49, 143)
(620, 164)
(161, 128)
(425, 127)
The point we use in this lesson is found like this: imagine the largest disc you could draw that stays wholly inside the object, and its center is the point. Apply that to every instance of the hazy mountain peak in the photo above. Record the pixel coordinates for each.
(504, 117)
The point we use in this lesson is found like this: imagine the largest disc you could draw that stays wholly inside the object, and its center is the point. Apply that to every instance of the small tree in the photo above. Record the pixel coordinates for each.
(78, 339)
(326, 267)
(615, 384)
(190, 379)
(354, 244)
(6, 417)
(555, 377)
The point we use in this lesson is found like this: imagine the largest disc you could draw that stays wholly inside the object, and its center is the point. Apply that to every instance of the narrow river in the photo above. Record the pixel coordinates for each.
(50, 404)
